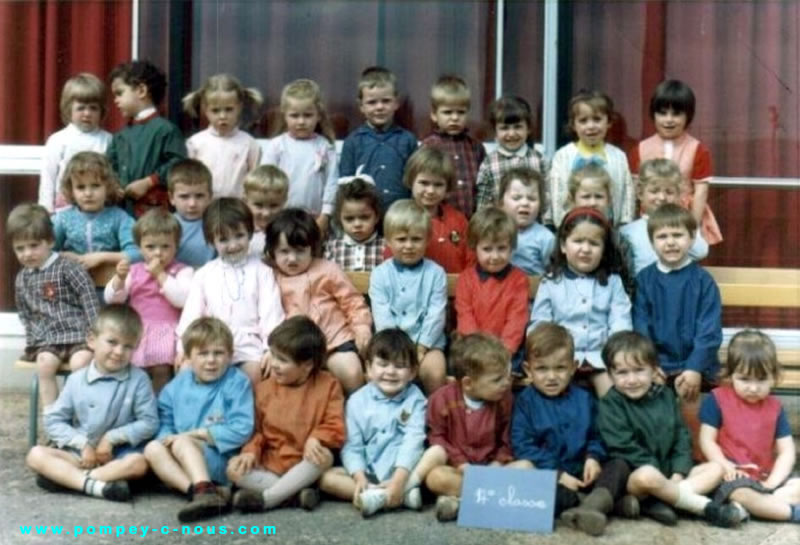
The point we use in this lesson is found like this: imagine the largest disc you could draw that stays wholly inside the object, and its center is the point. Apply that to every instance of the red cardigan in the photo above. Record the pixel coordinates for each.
(496, 304)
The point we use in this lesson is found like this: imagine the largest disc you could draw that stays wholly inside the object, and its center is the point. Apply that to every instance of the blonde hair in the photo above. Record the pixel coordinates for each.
(491, 223)
(197, 100)
(91, 163)
(83, 87)
(752, 353)
(431, 161)
(306, 89)
(123, 318)
(448, 90)
(588, 172)
(29, 221)
(660, 170)
(267, 179)
(477, 354)
(406, 215)
(376, 76)
(205, 331)
(157, 221)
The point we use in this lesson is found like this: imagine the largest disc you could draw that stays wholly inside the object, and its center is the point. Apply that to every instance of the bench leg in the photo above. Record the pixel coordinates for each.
(33, 417)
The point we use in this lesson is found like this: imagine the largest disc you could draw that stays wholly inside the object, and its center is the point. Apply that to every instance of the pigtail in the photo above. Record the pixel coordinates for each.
(252, 100)
(191, 102)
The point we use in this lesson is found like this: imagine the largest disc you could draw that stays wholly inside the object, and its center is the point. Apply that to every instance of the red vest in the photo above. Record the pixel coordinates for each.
(747, 435)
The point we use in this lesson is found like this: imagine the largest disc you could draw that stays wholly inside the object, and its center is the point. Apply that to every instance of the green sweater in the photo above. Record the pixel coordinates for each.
(144, 149)
(646, 431)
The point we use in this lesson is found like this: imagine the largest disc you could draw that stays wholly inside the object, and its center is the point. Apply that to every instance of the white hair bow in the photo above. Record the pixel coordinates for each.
(344, 180)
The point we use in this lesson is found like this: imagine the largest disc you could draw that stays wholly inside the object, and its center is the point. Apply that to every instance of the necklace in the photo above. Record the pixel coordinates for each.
(234, 285)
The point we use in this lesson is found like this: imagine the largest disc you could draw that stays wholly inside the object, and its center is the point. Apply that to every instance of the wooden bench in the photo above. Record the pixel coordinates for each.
(745, 287)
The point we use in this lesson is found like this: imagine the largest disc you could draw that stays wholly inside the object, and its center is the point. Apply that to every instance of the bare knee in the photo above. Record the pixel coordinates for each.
(153, 450)
(137, 465)
(437, 455)
(80, 359)
(35, 458)
(346, 366)
(328, 462)
(646, 478)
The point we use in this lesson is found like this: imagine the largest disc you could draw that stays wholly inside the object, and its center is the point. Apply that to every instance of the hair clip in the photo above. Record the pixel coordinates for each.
(344, 180)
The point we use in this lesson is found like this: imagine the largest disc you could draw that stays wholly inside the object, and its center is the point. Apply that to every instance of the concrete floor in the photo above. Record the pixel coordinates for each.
(22, 503)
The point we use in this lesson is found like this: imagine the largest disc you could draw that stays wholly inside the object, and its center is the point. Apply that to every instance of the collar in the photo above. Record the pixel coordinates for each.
(483, 276)
(572, 275)
(350, 241)
(683, 264)
(376, 394)
(521, 152)
(460, 136)
(231, 134)
(144, 116)
(585, 150)
(93, 374)
(473, 404)
(47, 262)
(390, 128)
(401, 267)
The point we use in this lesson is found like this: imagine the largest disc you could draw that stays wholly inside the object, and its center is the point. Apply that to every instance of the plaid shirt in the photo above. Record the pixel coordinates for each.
(499, 161)
(355, 256)
(467, 155)
(56, 303)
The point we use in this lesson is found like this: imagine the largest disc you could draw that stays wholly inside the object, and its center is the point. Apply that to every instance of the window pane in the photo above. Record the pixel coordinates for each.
(523, 59)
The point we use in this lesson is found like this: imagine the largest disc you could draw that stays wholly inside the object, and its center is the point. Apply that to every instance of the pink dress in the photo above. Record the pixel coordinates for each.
(159, 307)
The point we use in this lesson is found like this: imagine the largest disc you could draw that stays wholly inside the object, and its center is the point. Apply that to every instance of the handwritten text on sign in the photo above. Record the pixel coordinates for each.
(513, 499)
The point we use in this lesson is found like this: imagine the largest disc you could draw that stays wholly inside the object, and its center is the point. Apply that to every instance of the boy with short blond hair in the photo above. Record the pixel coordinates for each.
(409, 291)
(469, 419)
(450, 105)
(55, 298)
(492, 296)
(553, 427)
(104, 413)
(379, 146)
(145, 149)
(266, 190)
(206, 416)
(659, 182)
(189, 189)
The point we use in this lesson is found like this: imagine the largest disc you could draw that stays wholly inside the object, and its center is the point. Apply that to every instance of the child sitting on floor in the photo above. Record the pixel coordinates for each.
(299, 420)
(206, 415)
(469, 419)
(382, 458)
(104, 413)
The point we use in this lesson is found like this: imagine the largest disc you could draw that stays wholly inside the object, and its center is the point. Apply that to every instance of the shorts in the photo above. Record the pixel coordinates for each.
(62, 351)
(347, 346)
(119, 451)
(727, 488)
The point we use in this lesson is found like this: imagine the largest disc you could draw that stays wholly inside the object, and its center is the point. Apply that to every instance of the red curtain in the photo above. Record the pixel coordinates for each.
(42, 45)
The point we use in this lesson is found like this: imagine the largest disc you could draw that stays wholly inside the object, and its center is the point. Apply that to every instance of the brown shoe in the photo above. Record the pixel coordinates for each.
(204, 505)
(589, 521)
(308, 499)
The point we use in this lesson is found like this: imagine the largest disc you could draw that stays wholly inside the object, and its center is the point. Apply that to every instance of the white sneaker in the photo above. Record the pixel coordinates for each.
(413, 499)
(372, 500)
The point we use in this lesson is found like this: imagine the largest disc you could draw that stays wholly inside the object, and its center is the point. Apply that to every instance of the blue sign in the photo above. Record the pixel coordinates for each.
(508, 498)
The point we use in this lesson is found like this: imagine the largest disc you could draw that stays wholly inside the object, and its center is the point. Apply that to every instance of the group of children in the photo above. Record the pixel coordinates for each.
(246, 301)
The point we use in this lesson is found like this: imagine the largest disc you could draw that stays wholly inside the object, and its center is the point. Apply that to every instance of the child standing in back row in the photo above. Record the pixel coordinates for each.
(142, 153)
(305, 150)
(379, 146)
(83, 107)
(746, 431)
(450, 104)
(589, 120)
(512, 120)
(672, 110)
(228, 152)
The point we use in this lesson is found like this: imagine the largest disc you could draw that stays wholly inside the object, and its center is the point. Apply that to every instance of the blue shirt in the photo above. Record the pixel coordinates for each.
(681, 312)
(534, 245)
(92, 404)
(591, 312)
(223, 407)
(641, 249)
(556, 432)
(411, 298)
(193, 249)
(384, 155)
(108, 230)
(384, 433)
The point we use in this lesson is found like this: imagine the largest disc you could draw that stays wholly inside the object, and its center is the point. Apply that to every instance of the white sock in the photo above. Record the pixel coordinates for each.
(413, 481)
(689, 500)
(93, 487)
